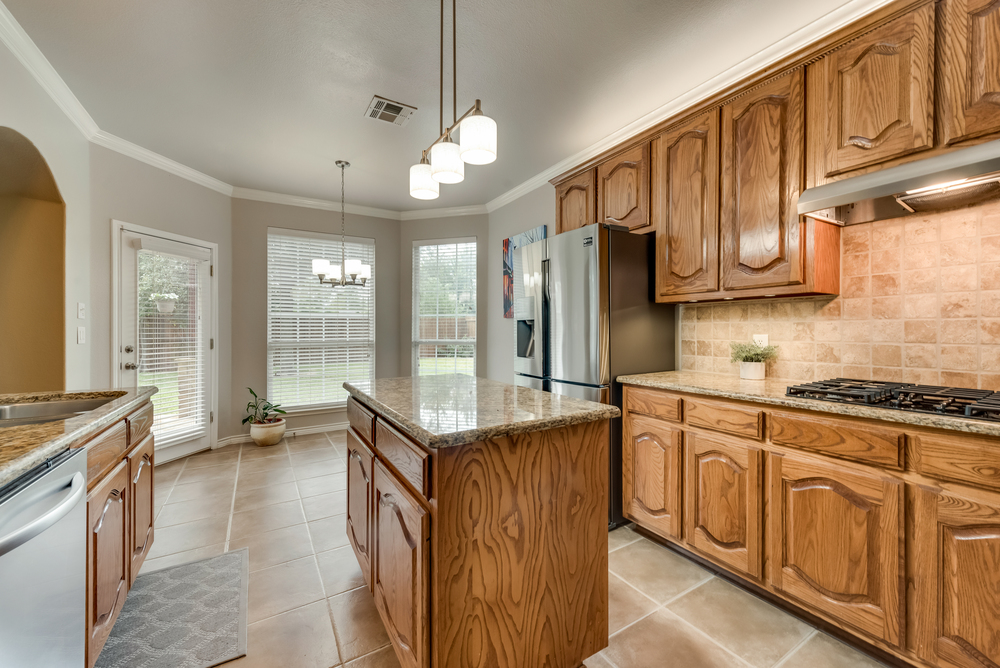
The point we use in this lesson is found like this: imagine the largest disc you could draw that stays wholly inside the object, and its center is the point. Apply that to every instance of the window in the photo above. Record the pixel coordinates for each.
(318, 336)
(444, 307)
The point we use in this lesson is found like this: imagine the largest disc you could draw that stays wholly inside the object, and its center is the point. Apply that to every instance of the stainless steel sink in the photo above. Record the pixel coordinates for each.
(47, 411)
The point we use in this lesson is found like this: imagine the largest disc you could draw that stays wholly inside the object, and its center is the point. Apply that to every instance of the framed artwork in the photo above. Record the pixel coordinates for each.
(509, 245)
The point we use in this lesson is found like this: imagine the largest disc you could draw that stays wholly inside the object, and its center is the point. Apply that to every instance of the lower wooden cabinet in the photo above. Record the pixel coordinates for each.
(723, 500)
(359, 495)
(400, 576)
(140, 473)
(108, 556)
(651, 474)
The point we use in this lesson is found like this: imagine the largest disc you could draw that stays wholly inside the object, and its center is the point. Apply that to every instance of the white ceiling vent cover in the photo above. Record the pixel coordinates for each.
(382, 109)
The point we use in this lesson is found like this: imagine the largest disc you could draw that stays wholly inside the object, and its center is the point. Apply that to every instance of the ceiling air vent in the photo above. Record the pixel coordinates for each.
(396, 113)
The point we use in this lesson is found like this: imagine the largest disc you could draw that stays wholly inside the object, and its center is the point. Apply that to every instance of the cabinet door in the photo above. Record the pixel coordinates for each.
(762, 145)
(401, 580)
(969, 76)
(359, 501)
(685, 184)
(140, 474)
(576, 202)
(833, 541)
(651, 474)
(107, 556)
(723, 500)
(879, 94)
(956, 565)
(623, 189)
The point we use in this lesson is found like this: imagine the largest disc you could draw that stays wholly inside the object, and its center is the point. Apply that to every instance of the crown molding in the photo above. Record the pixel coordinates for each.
(312, 203)
(450, 212)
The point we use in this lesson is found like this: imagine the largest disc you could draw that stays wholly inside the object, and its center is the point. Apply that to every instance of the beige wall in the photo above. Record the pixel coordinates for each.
(920, 302)
(31, 302)
(442, 228)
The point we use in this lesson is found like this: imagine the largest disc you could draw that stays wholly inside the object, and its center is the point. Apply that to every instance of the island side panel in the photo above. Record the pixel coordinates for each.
(520, 550)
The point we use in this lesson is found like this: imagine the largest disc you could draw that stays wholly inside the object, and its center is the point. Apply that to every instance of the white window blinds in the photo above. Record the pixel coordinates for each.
(318, 336)
(444, 307)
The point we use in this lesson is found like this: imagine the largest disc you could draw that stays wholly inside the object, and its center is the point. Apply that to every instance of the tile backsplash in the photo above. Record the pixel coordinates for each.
(919, 302)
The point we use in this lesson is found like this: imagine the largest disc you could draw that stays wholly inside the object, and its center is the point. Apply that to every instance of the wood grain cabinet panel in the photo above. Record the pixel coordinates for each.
(400, 579)
(361, 420)
(723, 501)
(105, 450)
(969, 69)
(653, 402)
(725, 417)
(107, 556)
(878, 98)
(576, 202)
(967, 459)
(360, 493)
(409, 459)
(139, 424)
(850, 439)
(141, 481)
(685, 207)
(623, 189)
(651, 470)
(762, 176)
(834, 542)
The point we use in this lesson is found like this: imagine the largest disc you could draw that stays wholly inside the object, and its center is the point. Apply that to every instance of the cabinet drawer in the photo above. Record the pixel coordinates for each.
(410, 460)
(968, 459)
(362, 419)
(730, 419)
(105, 450)
(840, 438)
(654, 402)
(140, 423)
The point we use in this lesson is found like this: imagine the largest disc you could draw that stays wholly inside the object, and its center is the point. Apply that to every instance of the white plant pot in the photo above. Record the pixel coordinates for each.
(166, 305)
(752, 370)
(267, 434)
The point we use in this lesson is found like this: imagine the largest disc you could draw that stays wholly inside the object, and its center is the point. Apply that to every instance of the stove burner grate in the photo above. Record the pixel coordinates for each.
(954, 401)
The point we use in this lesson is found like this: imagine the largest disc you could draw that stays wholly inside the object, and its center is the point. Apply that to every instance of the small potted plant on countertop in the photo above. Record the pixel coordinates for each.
(751, 357)
(265, 428)
(166, 302)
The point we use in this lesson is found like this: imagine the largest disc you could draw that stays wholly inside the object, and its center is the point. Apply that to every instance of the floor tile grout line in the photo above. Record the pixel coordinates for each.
(641, 592)
(172, 486)
(637, 539)
(710, 639)
(232, 501)
(796, 648)
(660, 606)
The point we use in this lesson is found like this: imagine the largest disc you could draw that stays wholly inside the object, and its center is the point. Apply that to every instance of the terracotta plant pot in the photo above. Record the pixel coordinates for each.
(752, 370)
(268, 433)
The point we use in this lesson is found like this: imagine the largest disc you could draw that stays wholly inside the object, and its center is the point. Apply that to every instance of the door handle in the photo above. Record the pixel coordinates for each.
(18, 537)
(107, 505)
(131, 366)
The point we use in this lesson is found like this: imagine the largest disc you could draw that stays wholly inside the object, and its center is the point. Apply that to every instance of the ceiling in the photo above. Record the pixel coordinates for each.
(267, 94)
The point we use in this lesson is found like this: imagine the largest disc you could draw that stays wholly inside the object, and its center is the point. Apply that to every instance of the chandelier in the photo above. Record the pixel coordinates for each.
(444, 160)
(348, 272)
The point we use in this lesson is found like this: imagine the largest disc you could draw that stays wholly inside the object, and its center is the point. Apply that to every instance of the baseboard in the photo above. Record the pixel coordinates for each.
(178, 451)
(316, 429)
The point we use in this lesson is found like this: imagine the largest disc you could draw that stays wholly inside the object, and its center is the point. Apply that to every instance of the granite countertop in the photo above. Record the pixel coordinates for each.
(452, 409)
(23, 447)
(772, 391)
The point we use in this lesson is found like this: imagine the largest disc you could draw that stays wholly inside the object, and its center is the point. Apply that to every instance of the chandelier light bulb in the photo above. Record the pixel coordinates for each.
(366, 272)
(478, 135)
(446, 162)
(334, 271)
(352, 267)
(422, 183)
(321, 267)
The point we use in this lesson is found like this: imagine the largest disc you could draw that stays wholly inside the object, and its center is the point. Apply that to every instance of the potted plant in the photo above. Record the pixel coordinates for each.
(265, 427)
(166, 302)
(751, 357)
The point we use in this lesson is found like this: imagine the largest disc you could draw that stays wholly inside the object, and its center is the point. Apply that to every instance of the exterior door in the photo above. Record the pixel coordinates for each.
(651, 474)
(970, 69)
(166, 335)
(576, 202)
(623, 189)
(762, 174)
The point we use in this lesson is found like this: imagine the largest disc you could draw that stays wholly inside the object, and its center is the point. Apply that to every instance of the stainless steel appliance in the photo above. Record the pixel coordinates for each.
(954, 401)
(586, 314)
(43, 565)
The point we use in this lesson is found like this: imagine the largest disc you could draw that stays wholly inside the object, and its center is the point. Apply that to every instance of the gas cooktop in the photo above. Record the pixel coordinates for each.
(955, 401)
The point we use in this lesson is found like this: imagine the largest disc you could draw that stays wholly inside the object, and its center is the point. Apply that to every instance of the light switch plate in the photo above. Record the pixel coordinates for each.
(760, 339)
(81, 310)
(81, 334)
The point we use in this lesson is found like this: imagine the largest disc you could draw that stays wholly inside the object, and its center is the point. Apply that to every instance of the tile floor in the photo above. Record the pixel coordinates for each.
(309, 608)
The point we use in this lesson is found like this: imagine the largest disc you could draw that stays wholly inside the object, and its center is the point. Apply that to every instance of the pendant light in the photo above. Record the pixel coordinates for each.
(349, 271)
(446, 161)
(422, 183)
(478, 135)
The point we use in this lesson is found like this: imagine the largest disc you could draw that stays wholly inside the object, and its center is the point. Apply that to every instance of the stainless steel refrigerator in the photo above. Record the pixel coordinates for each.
(585, 314)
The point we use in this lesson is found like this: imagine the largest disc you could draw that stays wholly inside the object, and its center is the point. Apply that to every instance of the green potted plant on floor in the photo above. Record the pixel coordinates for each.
(266, 428)
(752, 357)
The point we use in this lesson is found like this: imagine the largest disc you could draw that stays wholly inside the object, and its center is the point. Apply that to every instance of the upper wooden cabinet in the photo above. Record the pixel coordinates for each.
(685, 207)
(969, 69)
(874, 98)
(651, 474)
(576, 202)
(623, 189)
(762, 173)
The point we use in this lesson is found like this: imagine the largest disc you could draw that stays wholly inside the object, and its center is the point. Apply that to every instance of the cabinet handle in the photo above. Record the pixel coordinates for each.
(144, 462)
(116, 495)
(361, 465)
(389, 502)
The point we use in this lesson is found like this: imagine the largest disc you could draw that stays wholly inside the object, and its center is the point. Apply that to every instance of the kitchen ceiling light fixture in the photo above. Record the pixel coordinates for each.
(477, 135)
(348, 272)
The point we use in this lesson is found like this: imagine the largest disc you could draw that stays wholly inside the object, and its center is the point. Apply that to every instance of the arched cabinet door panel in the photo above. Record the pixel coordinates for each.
(651, 470)
(576, 202)
(108, 556)
(360, 491)
(623, 189)
(969, 67)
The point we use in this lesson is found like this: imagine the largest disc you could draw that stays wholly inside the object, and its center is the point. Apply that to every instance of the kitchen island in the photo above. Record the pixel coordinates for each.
(478, 513)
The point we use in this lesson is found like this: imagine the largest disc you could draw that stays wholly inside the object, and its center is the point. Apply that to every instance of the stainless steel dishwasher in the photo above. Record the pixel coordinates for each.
(43, 565)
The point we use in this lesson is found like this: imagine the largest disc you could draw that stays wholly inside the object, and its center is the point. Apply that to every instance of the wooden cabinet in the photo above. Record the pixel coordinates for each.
(685, 207)
(108, 556)
(141, 478)
(576, 202)
(359, 499)
(400, 578)
(623, 189)
(762, 148)
(834, 541)
(651, 470)
(969, 69)
(956, 555)
(723, 500)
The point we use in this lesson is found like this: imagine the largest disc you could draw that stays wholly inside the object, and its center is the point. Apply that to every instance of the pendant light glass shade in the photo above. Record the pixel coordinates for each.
(478, 135)
(334, 272)
(352, 267)
(422, 183)
(321, 267)
(446, 162)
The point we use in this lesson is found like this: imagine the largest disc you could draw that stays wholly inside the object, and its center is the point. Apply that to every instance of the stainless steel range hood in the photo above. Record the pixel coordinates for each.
(959, 178)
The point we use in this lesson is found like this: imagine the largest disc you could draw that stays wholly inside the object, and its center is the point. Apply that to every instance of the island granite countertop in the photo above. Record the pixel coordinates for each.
(453, 409)
(25, 446)
(772, 391)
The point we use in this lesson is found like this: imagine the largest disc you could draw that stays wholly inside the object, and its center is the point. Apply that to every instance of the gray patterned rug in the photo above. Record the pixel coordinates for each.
(188, 616)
